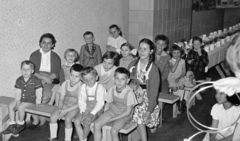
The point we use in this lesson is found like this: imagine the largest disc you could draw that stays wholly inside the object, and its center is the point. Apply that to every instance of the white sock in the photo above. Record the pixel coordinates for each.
(20, 122)
(84, 139)
(68, 134)
(53, 130)
(12, 122)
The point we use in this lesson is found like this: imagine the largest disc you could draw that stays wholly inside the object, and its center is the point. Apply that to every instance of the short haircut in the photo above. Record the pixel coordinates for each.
(48, 35)
(117, 27)
(27, 62)
(77, 68)
(72, 50)
(163, 38)
(112, 55)
(88, 70)
(122, 70)
(195, 38)
(88, 33)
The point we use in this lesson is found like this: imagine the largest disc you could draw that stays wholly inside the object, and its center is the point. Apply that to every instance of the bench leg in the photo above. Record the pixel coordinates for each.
(175, 110)
(4, 122)
(160, 104)
(106, 135)
(130, 137)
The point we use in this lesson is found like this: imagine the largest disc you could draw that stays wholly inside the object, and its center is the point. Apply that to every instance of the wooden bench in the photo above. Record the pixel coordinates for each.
(167, 98)
(106, 131)
(4, 117)
(47, 110)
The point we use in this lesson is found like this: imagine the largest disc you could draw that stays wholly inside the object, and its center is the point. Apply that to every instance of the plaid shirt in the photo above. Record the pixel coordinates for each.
(199, 62)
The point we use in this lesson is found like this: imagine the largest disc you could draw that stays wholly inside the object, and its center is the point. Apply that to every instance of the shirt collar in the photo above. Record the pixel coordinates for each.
(94, 86)
(29, 79)
(41, 51)
(124, 90)
(68, 65)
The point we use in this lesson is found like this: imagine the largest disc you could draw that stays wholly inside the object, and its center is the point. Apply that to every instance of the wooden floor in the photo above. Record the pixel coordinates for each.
(173, 129)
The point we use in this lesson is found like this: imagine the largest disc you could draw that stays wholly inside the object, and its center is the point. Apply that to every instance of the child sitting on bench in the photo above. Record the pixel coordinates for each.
(119, 108)
(28, 91)
(91, 102)
(68, 103)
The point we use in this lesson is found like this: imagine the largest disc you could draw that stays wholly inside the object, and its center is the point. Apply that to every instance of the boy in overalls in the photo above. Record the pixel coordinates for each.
(91, 102)
(68, 103)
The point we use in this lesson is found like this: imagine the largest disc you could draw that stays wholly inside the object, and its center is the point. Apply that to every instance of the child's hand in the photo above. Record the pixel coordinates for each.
(47, 80)
(140, 99)
(178, 59)
(146, 117)
(230, 85)
(189, 61)
(110, 120)
(88, 120)
(176, 80)
(39, 105)
(61, 114)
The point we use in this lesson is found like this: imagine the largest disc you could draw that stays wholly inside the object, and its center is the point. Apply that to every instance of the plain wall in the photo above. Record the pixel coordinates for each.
(231, 17)
(204, 22)
(66, 19)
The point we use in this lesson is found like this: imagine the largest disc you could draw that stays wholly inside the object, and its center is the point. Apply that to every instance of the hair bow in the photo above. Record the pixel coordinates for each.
(134, 51)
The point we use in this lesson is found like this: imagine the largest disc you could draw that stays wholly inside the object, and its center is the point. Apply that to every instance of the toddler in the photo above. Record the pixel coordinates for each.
(28, 91)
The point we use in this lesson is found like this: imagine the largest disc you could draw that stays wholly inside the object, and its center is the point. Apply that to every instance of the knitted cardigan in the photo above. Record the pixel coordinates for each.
(35, 57)
(153, 84)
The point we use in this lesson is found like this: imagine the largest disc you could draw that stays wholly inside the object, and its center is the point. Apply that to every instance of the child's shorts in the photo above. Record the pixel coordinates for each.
(56, 88)
(88, 123)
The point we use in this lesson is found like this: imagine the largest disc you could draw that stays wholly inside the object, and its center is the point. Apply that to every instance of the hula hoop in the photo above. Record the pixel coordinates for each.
(191, 118)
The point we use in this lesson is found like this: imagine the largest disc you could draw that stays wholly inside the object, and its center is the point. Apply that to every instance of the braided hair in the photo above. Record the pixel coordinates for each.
(152, 55)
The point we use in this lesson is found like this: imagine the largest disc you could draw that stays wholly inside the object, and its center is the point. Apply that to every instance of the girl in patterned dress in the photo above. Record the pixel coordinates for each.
(147, 113)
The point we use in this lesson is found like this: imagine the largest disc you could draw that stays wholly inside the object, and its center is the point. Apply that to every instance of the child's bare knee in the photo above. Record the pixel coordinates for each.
(97, 125)
(21, 107)
(12, 105)
(181, 87)
(68, 119)
(53, 117)
(114, 131)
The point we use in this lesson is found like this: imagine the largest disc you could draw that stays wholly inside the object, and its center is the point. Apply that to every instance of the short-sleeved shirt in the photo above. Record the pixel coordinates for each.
(226, 117)
(131, 99)
(28, 88)
(117, 43)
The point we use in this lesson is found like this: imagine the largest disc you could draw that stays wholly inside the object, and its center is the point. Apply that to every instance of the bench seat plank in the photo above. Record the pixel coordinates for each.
(46, 110)
(5, 101)
(168, 98)
(125, 130)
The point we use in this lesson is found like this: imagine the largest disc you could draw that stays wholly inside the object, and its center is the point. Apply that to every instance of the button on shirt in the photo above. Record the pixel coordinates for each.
(28, 88)
(100, 96)
(45, 65)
